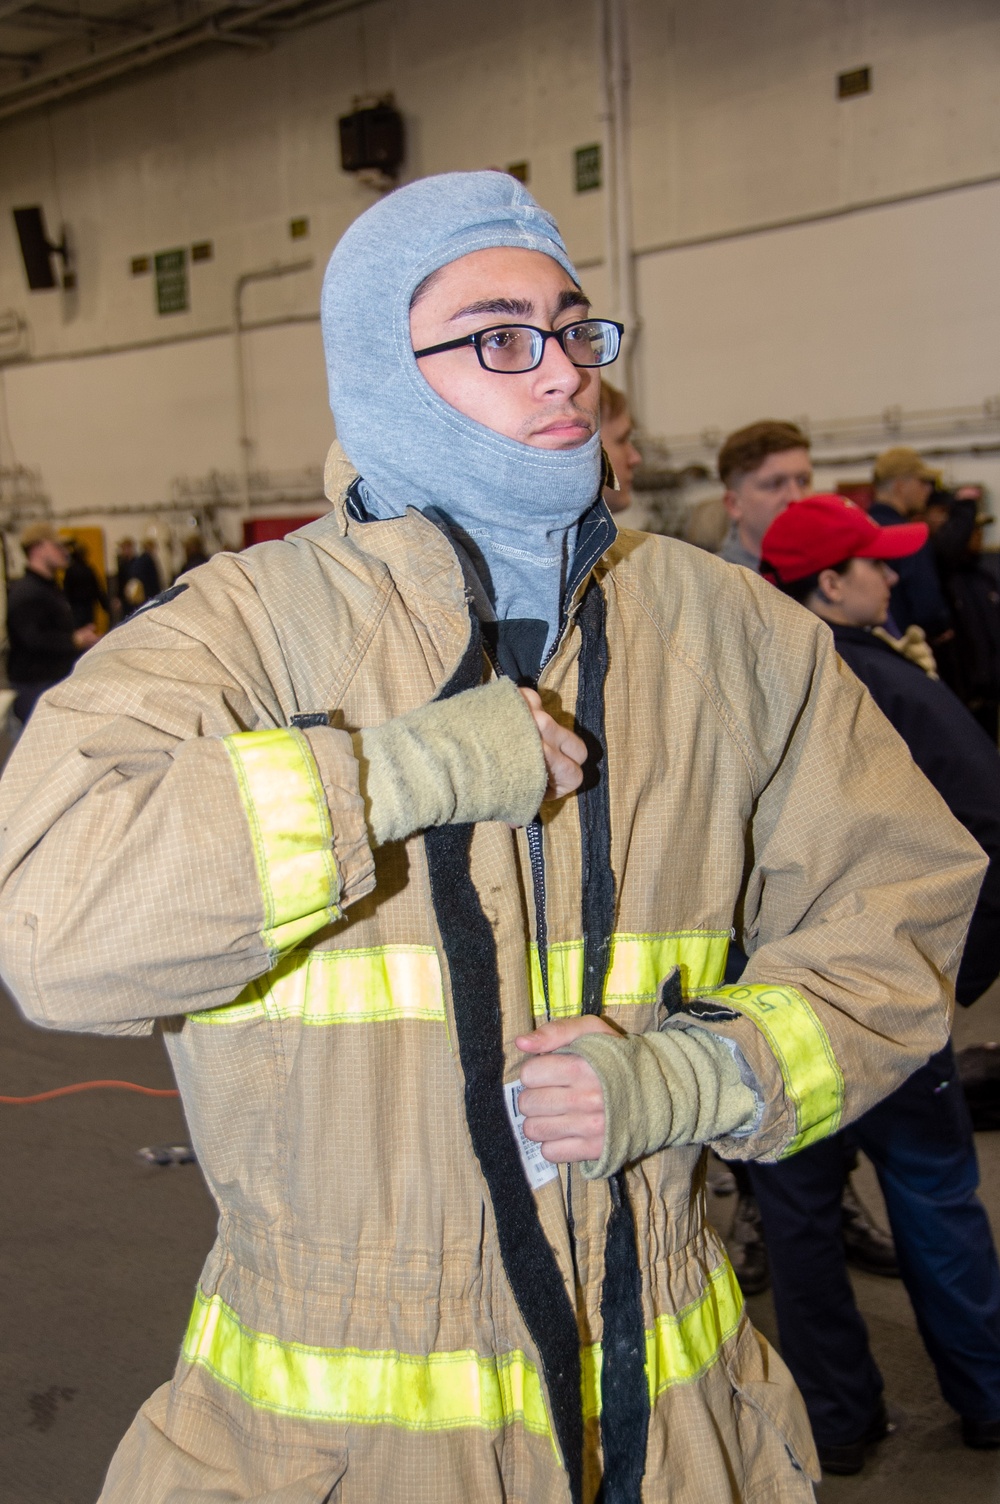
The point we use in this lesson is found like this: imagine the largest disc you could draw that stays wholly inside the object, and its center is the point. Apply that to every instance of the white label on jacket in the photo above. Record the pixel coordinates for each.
(537, 1168)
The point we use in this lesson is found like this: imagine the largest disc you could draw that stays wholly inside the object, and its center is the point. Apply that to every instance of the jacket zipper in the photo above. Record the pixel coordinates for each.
(536, 856)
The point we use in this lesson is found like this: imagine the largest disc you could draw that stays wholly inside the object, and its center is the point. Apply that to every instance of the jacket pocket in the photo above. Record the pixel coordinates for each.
(776, 1443)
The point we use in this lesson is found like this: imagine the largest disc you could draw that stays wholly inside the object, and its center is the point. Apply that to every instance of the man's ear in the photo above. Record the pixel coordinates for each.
(830, 584)
(731, 502)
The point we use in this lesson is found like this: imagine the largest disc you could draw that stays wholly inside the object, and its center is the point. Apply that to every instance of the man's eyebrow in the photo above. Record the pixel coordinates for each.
(521, 308)
(513, 307)
(573, 297)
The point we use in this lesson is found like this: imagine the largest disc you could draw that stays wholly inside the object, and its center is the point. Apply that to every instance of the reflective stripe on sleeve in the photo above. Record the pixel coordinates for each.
(289, 820)
(444, 1390)
(318, 987)
(812, 1078)
(639, 964)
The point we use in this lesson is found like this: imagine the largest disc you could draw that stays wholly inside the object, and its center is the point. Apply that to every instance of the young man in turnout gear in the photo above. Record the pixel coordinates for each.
(333, 873)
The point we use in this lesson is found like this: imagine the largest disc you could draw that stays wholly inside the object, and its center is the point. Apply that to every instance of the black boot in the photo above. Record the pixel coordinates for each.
(867, 1247)
(849, 1457)
(747, 1249)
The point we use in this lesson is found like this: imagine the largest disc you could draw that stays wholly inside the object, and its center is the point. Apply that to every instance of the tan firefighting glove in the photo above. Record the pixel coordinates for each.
(679, 1086)
(477, 756)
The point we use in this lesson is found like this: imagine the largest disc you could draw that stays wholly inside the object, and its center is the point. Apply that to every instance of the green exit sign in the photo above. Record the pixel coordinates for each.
(171, 281)
(587, 160)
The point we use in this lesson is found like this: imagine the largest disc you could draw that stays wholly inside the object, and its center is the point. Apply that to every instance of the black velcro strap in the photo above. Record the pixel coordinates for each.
(624, 1386)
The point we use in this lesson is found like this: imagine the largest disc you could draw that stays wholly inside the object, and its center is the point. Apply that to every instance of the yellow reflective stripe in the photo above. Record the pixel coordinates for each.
(682, 1346)
(441, 1391)
(285, 804)
(638, 966)
(320, 987)
(438, 1392)
(812, 1078)
(565, 979)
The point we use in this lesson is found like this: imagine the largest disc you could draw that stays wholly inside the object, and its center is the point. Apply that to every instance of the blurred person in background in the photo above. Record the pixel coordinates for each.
(147, 570)
(833, 559)
(124, 567)
(903, 485)
(763, 467)
(194, 554)
(972, 665)
(707, 524)
(81, 586)
(616, 441)
(45, 642)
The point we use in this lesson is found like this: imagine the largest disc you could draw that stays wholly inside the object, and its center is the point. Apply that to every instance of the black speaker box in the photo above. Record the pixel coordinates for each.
(36, 251)
(372, 137)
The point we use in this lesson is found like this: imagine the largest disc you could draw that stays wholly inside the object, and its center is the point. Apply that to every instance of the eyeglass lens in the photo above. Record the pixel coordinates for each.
(516, 347)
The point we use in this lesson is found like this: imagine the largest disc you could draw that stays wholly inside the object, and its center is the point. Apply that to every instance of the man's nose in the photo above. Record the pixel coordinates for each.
(556, 372)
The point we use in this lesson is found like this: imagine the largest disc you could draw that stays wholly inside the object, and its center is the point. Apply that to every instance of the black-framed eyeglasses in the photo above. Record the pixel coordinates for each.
(512, 348)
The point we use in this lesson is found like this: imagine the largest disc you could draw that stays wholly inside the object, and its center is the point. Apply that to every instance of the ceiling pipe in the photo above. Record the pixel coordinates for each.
(263, 274)
(142, 51)
(11, 7)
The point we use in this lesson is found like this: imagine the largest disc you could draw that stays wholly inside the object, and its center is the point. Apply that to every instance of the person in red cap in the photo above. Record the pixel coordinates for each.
(829, 555)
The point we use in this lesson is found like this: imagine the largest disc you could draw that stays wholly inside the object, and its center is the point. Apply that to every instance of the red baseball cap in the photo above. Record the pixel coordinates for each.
(821, 531)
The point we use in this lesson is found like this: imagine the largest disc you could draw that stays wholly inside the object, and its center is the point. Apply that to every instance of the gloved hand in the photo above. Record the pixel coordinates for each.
(476, 756)
(679, 1086)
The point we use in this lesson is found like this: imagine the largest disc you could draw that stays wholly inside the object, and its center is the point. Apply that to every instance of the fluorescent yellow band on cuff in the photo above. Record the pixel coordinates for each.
(289, 820)
(812, 1078)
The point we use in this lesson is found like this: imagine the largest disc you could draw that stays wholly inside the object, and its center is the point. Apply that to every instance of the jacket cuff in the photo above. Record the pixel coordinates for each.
(340, 777)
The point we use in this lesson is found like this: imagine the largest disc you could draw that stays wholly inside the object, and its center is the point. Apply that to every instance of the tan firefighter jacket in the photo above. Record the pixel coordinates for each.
(391, 1314)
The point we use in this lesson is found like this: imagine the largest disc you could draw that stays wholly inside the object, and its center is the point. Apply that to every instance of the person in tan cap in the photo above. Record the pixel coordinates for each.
(903, 483)
(44, 644)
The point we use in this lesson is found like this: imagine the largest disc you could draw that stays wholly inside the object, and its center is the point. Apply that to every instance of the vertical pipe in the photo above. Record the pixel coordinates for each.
(242, 405)
(616, 79)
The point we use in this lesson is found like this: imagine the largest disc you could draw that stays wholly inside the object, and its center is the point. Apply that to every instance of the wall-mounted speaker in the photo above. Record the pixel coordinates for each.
(37, 249)
(372, 138)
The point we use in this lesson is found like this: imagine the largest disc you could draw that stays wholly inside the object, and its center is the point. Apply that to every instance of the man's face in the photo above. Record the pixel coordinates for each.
(754, 500)
(48, 556)
(911, 492)
(555, 406)
(616, 436)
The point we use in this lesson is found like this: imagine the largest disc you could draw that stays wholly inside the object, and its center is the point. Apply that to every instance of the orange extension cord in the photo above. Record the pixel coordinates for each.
(68, 1091)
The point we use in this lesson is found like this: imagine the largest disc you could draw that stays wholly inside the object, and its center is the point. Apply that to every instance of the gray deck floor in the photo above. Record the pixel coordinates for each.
(99, 1255)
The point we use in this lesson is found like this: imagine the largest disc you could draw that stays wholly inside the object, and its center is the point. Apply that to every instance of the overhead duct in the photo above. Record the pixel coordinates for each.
(225, 22)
